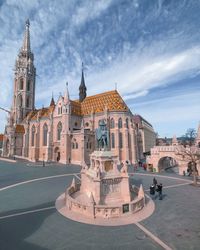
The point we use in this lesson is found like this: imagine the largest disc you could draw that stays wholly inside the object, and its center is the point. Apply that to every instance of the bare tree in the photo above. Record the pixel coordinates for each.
(190, 154)
(190, 136)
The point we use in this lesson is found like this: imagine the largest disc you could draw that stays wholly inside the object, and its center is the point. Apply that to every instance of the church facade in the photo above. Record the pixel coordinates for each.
(65, 131)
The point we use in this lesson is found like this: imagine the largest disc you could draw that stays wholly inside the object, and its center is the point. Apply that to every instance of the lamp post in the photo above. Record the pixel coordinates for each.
(43, 163)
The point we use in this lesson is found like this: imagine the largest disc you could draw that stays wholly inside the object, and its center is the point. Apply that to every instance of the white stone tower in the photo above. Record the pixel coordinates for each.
(24, 80)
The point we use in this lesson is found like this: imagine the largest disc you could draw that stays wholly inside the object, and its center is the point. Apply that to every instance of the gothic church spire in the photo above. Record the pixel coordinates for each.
(82, 87)
(26, 47)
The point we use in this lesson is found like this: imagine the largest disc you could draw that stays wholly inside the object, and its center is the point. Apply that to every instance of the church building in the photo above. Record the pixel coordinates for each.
(65, 130)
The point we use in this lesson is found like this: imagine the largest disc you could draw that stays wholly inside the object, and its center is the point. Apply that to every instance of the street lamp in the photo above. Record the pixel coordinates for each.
(43, 163)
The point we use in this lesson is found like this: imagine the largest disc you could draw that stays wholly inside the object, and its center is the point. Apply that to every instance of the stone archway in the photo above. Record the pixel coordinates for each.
(167, 163)
(57, 154)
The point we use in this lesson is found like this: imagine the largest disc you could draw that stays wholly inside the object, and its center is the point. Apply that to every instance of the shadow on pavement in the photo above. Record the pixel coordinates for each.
(15, 230)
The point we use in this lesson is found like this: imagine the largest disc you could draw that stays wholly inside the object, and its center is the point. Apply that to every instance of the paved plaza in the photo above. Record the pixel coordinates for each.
(29, 219)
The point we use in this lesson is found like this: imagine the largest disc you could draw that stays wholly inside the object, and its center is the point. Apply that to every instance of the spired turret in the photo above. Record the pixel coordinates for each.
(174, 141)
(82, 87)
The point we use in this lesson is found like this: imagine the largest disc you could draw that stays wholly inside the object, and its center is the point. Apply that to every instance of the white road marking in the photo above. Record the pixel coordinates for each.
(33, 180)
(153, 237)
(27, 212)
(77, 176)
(162, 176)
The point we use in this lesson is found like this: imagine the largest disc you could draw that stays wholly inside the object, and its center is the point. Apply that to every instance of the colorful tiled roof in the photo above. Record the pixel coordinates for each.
(44, 112)
(1, 137)
(19, 129)
(97, 103)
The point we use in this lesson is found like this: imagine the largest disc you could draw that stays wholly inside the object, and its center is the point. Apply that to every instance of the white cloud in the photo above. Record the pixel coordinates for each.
(88, 10)
(149, 72)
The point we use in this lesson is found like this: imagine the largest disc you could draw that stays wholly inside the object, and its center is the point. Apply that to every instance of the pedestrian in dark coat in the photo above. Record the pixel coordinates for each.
(155, 182)
(152, 191)
(159, 190)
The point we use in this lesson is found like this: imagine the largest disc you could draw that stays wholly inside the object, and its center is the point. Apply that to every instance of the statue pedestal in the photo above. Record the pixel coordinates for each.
(104, 191)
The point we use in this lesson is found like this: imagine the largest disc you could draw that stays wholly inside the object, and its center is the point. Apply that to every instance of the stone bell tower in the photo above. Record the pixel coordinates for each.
(24, 80)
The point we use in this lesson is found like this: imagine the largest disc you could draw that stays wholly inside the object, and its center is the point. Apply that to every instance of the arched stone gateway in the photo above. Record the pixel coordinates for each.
(165, 157)
(168, 163)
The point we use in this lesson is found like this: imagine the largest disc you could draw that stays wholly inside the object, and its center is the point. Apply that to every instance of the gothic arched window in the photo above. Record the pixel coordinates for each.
(129, 140)
(120, 123)
(19, 100)
(59, 130)
(27, 102)
(45, 131)
(120, 140)
(21, 84)
(112, 123)
(33, 136)
(126, 122)
(112, 140)
(28, 85)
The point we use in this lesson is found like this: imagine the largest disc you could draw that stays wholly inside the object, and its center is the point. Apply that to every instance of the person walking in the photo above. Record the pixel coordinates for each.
(155, 182)
(159, 190)
(152, 191)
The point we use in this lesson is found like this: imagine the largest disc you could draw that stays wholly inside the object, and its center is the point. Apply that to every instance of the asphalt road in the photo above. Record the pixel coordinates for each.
(29, 220)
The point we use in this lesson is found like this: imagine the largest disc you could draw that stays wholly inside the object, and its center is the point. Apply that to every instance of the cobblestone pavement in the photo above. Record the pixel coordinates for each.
(29, 220)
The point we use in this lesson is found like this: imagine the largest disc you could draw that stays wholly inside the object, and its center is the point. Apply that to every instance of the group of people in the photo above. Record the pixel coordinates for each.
(155, 187)
(140, 165)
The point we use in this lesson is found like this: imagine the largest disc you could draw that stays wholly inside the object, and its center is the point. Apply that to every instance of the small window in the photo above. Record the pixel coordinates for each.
(45, 132)
(120, 123)
(28, 85)
(21, 84)
(129, 140)
(75, 124)
(127, 123)
(33, 136)
(112, 123)
(27, 102)
(113, 140)
(120, 140)
(86, 124)
(59, 130)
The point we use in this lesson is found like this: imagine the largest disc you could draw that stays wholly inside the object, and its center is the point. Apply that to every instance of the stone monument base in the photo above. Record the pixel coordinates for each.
(111, 221)
(104, 195)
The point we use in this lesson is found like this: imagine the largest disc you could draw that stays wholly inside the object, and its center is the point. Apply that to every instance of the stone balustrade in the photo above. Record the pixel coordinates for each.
(103, 211)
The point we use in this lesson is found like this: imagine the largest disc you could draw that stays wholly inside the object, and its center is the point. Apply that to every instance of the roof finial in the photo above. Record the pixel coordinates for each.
(27, 23)
(26, 44)
(115, 86)
(52, 103)
(66, 97)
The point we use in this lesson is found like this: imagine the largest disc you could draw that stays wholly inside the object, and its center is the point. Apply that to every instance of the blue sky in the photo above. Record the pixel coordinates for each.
(150, 48)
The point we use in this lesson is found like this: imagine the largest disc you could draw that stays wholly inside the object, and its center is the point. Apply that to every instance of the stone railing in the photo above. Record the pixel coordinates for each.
(102, 211)
(158, 149)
